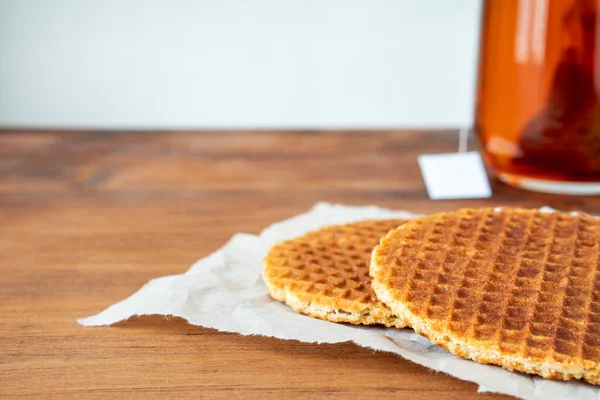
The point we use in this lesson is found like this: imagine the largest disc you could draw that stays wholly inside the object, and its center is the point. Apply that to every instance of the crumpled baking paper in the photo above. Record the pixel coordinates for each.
(225, 291)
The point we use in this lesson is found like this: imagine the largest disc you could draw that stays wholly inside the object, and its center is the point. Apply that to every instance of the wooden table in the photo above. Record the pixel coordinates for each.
(86, 218)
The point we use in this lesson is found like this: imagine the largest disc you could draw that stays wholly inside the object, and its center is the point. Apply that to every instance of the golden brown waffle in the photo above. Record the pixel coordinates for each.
(325, 273)
(516, 288)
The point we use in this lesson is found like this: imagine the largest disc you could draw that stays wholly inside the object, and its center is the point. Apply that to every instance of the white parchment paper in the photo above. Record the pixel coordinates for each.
(225, 291)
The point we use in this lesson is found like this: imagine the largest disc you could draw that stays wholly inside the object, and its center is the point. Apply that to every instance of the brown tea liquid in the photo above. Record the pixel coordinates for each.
(537, 108)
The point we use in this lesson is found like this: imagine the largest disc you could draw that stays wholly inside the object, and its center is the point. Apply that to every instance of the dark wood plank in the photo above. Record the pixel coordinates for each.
(87, 217)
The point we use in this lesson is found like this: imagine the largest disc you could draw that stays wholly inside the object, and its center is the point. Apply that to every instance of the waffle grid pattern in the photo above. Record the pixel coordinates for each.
(521, 282)
(329, 267)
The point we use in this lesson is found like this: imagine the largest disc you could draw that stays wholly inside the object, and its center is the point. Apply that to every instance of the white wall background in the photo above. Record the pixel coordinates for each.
(234, 63)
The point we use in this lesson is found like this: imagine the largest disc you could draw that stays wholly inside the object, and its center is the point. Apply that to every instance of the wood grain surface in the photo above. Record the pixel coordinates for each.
(86, 218)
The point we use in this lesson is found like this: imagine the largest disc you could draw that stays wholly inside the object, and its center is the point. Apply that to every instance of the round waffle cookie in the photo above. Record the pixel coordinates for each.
(515, 288)
(325, 273)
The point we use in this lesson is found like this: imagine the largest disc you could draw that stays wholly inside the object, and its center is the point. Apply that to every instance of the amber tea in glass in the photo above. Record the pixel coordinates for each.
(537, 107)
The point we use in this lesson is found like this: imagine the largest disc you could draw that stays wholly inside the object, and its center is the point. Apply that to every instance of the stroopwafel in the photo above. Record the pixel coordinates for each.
(325, 273)
(515, 288)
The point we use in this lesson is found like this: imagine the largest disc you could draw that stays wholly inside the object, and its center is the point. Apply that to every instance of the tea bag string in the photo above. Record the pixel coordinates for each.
(463, 140)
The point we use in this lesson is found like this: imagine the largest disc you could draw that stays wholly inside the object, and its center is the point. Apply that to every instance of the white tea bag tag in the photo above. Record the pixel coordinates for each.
(455, 176)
